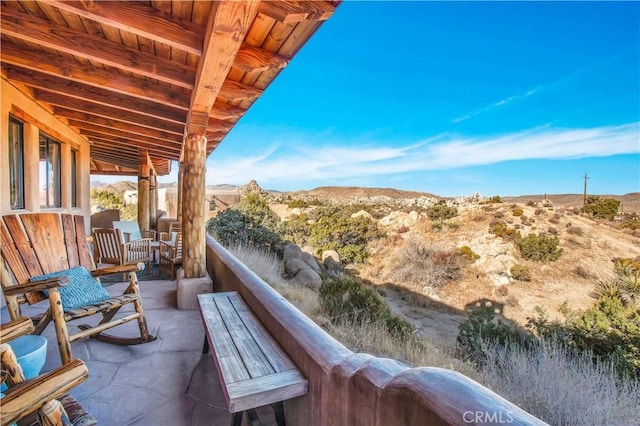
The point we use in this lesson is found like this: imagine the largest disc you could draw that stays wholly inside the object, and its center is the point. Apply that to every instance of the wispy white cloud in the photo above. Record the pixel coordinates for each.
(307, 158)
(497, 104)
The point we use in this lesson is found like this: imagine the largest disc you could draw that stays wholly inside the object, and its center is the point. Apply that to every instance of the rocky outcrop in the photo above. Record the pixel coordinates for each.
(398, 219)
(302, 267)
(496, 257)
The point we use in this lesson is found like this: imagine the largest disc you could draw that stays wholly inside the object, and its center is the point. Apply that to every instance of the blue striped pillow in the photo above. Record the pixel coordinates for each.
(82, 289)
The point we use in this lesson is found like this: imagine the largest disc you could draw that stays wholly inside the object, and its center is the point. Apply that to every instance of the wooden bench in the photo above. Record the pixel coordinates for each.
(254, 370)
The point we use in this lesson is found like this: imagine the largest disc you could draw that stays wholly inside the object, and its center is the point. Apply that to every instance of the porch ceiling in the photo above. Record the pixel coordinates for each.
(134, 76)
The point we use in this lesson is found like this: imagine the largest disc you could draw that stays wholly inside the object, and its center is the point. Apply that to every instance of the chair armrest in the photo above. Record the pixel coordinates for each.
(36, 286)
(117, 269)
(11, 330)
(150, 234)
(28, 397)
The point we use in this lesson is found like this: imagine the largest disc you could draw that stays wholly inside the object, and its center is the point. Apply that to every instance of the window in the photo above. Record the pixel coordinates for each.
(16, 164)
(49, 172)
(74, 177)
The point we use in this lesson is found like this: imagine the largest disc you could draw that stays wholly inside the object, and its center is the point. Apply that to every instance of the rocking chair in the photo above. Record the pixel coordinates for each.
(48, 257)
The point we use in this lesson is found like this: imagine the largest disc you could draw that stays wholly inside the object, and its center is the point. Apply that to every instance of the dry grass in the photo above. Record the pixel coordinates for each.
(561, 388)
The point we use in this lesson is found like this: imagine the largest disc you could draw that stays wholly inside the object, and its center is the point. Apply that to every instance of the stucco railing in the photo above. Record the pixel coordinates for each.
(347, 388)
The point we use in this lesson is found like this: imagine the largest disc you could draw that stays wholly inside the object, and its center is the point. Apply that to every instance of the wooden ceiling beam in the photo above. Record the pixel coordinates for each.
(234, 91)
(128, 133)
(159, 151)
(255, 59)
(214, 125)
(141, 20)
(227, 27)
(134, 107)
(111, 80)
(290, 12)
(64, 39)
(141, 125)
(226, 112)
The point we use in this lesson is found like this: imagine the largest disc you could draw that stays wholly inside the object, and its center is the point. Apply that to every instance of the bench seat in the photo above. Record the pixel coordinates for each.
(254, 370)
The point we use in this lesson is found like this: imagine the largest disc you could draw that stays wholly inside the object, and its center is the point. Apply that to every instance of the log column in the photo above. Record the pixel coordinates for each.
(143, 191)
(193, 206)
(153, 201)
(180, 189)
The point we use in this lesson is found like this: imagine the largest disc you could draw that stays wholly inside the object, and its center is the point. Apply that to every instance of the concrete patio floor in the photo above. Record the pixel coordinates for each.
(165, 382)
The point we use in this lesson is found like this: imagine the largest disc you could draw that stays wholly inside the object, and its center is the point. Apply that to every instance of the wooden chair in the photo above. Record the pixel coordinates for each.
(129, 232)
(36, 245)
(111, 250)
(171, 254)
(44, 395)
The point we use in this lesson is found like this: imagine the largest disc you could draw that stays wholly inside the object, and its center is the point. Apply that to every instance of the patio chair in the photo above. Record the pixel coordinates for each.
(171, 254)
(49, 259)
(129, 231)
(44, 395)
(110, 250)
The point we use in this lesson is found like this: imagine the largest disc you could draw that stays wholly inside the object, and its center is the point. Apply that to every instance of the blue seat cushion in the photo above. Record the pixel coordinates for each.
(82, 290)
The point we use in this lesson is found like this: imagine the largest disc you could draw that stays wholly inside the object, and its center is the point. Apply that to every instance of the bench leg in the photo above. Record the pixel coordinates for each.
(278, 410)
(236, 419)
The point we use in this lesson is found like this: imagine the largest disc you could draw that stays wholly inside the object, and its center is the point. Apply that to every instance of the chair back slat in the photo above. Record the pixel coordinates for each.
(45, 232)
(70, 241)
(84, 252)
(106, 241)
(22, 245)
(12, 256)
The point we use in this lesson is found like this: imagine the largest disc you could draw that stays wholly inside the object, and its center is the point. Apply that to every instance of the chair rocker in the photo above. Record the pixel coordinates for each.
(48, 253)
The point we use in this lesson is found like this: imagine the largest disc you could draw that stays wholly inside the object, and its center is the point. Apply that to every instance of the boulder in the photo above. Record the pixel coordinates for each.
(310, 260)
(332, 254)
(361, 213)
(293, 266)
(307, 277)
(291, 251)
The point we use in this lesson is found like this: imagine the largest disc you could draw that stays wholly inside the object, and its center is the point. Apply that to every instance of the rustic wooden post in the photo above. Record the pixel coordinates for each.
(180, 189)
(153, 197)
(193, 206)
(143, 190)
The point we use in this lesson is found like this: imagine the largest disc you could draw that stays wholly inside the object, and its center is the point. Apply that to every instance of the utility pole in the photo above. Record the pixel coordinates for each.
(584, 199)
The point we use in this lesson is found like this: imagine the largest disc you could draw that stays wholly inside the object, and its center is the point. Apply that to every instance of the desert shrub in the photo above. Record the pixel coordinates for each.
(493, 200)
(554, 220)
(560, 386)
(425, 263)
(441, 211)
(539, 212)
(582, 272)
(538, 247)
(602, 208)
(520, 272)
(129, 212)
(499, 214)
(467, 253)
(106, 199)
(553, 231)
(297, 203)
(244, 226)
(502, 230)
(453, 225)
(632, 224)
(437, 226)
(296, 229)
(575, 230)
(531, 203)
(347, 299)
(348, 236)
(517, 211)
(480, 328)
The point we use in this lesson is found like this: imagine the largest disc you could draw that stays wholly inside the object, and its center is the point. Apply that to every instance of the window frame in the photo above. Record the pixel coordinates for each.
(56, 185)
(74, 177)
(16, 166)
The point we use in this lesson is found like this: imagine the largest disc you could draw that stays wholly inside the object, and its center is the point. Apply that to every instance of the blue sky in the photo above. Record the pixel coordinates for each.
(452, 98)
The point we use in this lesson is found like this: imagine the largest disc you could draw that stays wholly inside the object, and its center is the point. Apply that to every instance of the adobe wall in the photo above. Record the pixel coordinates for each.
(347, 388)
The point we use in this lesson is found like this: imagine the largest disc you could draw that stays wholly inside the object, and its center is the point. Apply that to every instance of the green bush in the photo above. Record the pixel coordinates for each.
(538, 247)
(480, 329)
(502, 230)
(602, 208)
(340, 232)
(467, 253)
(106, 199)
(520, 272)
(441, 212)
(250, 222)
(348, 300)
(297, 204)
(517, 212)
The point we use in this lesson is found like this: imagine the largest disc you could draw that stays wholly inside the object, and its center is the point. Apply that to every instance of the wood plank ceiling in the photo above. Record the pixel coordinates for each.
(137, 77)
